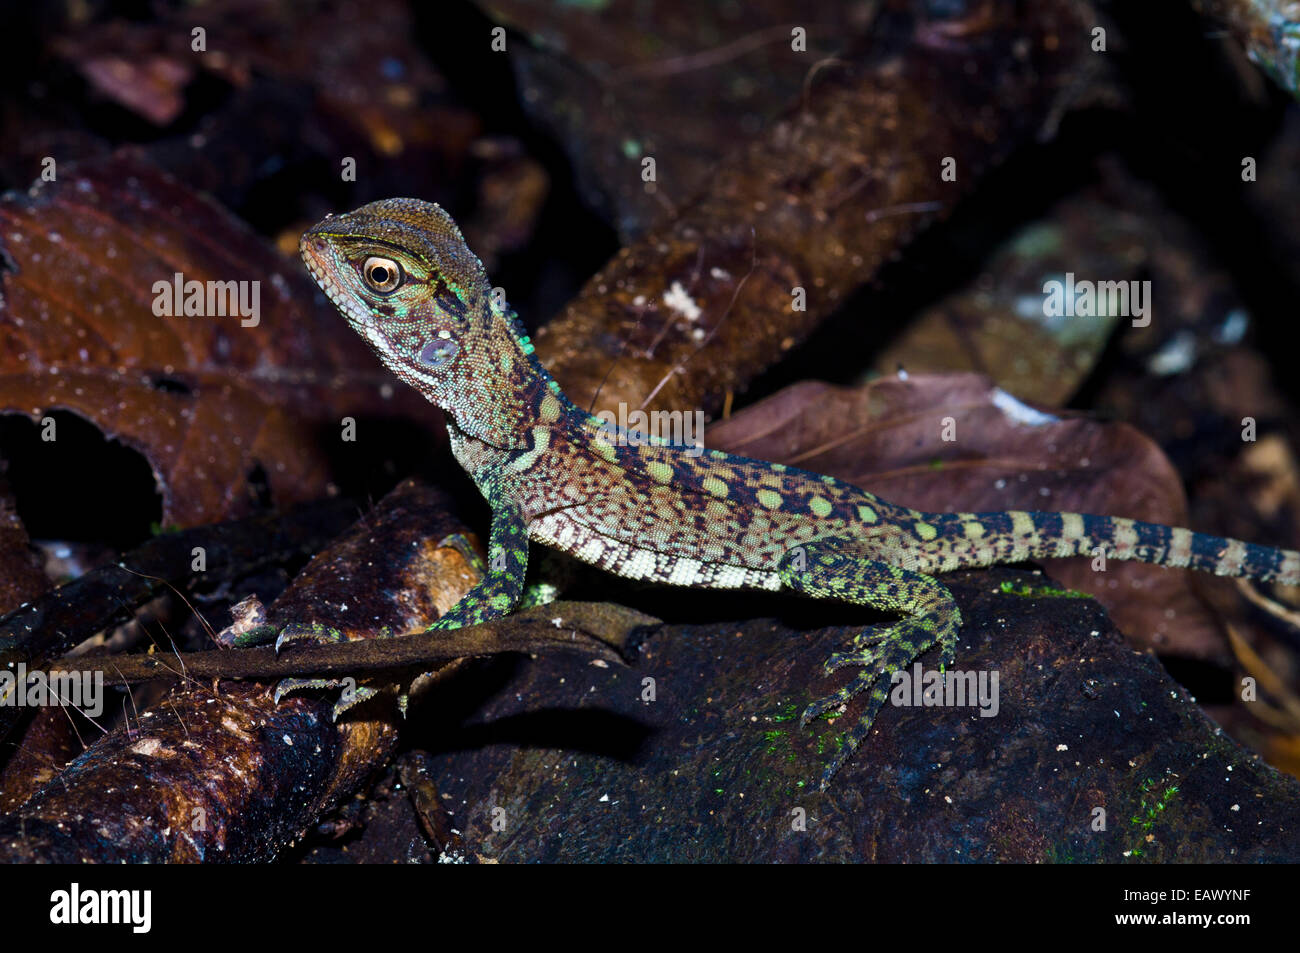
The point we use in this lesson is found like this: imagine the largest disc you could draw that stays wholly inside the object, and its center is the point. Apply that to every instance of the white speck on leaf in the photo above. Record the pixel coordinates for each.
(1018, 412)
(679, 300)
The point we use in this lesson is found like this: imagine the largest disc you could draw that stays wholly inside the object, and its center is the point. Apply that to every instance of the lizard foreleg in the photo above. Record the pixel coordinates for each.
(502, 584)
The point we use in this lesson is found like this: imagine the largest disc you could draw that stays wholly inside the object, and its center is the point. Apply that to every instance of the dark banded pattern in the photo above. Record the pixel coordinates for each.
(1027, 534)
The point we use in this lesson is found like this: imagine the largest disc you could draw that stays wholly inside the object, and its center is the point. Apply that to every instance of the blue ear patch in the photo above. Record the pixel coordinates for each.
(439, 353)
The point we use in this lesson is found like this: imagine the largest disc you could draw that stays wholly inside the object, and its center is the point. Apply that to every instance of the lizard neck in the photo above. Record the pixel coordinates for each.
(501, 392)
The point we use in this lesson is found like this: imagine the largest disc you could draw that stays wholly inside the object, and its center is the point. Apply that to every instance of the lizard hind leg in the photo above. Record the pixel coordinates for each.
(835, 569)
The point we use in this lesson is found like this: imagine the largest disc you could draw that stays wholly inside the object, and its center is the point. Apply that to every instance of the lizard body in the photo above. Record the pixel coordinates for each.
(400, 273)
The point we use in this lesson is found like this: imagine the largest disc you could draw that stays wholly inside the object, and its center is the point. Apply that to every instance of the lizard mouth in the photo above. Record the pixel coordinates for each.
(313, 250)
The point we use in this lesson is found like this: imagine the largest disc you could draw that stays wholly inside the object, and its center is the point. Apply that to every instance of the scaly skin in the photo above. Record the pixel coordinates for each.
(401, 274)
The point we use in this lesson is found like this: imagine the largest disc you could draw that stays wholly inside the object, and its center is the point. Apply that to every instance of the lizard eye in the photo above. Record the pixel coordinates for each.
(382, 274)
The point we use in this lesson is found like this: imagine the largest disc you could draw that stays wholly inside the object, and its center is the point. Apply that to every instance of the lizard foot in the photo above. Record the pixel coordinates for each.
(290, 686)
(865, 644)
(313, 632)
(352, 694)
(879, 654)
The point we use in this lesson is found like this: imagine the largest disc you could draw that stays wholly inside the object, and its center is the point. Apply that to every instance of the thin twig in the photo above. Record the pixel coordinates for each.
(598, 629)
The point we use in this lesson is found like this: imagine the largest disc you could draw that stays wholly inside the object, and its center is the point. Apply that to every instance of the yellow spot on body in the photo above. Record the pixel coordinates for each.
(925, 531)
(866, 514)
(820, 506)
(715, 486)
(605, 449)
(550, 411)
(659, 471)
(974, 529)
(769, 498)
(715, 509)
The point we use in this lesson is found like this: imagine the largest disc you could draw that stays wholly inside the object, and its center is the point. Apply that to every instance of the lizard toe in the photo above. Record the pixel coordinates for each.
(289, 686)
(872, 635)
(313, 633)
(351, 697)
(839, 660)
(820, 706)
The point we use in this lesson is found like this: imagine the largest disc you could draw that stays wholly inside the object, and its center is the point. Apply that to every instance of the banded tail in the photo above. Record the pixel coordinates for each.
(1014, 536)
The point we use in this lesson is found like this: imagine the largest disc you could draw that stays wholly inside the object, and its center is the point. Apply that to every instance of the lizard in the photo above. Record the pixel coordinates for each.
(401, 274)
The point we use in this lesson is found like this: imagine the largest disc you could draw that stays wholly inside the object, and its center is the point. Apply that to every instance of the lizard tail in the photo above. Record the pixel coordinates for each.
(1015, 536)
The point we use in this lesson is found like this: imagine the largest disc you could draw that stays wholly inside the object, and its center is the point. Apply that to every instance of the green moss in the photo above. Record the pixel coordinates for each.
(788, 713)
(1040, 592)
(1155, 801)
(830, 741)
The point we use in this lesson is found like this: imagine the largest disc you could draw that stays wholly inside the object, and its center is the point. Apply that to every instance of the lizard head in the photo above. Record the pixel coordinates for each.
(400, 273)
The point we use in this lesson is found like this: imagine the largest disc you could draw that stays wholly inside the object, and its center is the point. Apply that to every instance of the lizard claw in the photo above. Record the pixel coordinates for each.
(312, 632)
(872, 635)
(821, 706)
(316, 634)
(287, 686)
(839, 660)
(351, 695)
